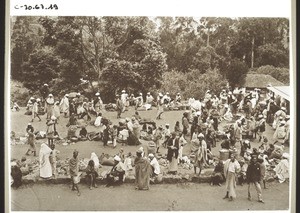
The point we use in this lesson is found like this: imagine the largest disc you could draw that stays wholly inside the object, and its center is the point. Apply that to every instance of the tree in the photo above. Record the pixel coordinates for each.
(281, 74)
(41, 67)
(236, 72)
(272, 54)
(25, 38)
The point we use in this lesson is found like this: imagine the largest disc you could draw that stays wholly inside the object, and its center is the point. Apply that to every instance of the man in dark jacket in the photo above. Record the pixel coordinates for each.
(253, 175)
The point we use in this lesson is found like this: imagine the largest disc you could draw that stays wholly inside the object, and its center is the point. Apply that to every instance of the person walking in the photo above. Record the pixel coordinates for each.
(35, 110)
(31, 141)
(253, 175)
(231, 169)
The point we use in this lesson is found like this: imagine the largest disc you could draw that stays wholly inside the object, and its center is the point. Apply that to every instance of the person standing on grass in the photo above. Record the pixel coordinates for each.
(35, 110)
(160, 106)
(31, 141)
(53, 159)
(64, 105)
(254, 176)
(51, 130)
(119, 106)
(74, 172)
(49, 104)
(231, 169)
(143, 171)
(173, 152)
(91, 174)
(185, 124)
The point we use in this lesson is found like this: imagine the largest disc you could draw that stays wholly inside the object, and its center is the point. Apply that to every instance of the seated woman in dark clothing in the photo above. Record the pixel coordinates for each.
(91, 174)
(83, 134)
(16, 175)
(225, 144)
(217, 176)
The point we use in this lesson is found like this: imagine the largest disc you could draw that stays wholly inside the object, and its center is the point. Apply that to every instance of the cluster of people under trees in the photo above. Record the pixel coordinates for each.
(245, 114)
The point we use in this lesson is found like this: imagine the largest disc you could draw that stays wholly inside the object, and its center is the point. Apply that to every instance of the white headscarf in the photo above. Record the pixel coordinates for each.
(95, 158)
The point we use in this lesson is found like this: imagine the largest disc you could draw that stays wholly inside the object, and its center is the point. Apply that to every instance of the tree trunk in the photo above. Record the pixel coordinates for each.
(207, 41)
(252, 52)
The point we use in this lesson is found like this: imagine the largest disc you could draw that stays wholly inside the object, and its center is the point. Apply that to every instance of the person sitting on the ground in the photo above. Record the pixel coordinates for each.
(91, 174)
(123, 136)
(72, 120)
(98, 121)
(154, 164)
(137, 116)
(15, 107)
(116, 175)
(217, 176)
(280, 132)
(83, 134)
(16, 175)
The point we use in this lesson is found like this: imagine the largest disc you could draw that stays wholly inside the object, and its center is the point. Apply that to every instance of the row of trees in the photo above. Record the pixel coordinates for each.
(141, 53)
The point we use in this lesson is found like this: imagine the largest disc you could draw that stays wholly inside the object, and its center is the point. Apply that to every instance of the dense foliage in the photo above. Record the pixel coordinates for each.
(139, 54)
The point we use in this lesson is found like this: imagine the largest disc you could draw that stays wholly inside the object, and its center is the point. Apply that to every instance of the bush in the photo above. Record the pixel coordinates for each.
(193, 84)
(19, 94)
(280, 74)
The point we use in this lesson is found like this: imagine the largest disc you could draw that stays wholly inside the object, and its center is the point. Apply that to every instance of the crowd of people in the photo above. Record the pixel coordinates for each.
(244, 116)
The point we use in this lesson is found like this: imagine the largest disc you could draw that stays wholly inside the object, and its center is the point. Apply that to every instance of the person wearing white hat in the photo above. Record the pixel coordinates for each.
(280, 113)
(280, 132)
(35, 110)
(97, 103)
(178, 98)
(154, 164)
(149, 99)
(231, 169)
(282, 168)
(124, 97)
(173, 152)
(64, 105)
(116, 174)
(49, 104)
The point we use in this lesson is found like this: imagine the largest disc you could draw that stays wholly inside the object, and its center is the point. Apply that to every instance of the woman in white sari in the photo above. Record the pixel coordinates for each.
(45, 165)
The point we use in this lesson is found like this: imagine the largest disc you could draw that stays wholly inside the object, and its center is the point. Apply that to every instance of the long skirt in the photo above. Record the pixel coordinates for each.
(173, 165)
(231, 184)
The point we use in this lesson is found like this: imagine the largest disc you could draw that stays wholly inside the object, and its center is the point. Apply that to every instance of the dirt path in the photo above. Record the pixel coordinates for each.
(160, 198)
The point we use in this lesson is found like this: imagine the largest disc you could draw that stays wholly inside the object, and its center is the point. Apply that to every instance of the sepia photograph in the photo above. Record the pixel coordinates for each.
(149, 113)
(150, 106)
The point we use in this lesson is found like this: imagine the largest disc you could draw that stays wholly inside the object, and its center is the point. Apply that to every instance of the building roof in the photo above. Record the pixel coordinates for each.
(260, 81)
(283, 91)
